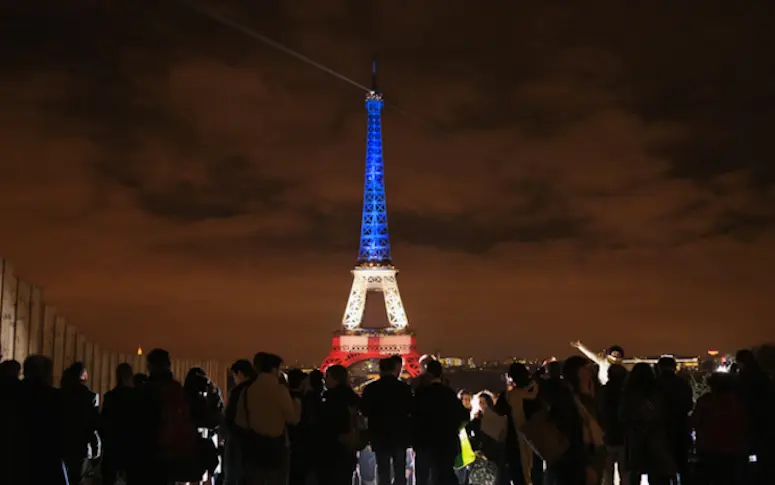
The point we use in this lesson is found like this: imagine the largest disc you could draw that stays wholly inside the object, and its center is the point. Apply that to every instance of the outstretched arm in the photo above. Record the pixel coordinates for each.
(588, 353)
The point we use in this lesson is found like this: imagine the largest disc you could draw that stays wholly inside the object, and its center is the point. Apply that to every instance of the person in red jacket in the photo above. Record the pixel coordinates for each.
(720, 424)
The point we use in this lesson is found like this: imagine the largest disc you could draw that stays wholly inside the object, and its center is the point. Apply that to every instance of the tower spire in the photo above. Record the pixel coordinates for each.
(374, 74)
(375, 241)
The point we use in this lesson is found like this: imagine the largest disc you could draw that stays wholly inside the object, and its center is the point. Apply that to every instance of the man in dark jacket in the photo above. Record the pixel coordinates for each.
(387, 404)
(41, 444)
(82, 418)
(336, 415)
(438, 418)
(679, 402)
(10, 403)
(610, 419)
(758, 393)
(116, 425)
(161, 410)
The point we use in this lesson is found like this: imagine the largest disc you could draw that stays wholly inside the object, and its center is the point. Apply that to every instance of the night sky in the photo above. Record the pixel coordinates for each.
(557, 170)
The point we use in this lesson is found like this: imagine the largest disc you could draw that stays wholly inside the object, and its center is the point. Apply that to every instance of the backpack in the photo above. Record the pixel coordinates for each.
(177, 441)
(356, 438)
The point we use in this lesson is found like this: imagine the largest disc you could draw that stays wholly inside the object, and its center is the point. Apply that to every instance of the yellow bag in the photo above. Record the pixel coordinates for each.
(467, 455)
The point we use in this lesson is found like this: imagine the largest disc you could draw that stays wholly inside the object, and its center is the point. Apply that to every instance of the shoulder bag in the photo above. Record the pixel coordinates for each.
(542, 434)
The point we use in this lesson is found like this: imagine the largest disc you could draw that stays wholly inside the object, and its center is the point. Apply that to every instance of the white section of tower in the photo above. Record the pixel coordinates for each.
(374, 279)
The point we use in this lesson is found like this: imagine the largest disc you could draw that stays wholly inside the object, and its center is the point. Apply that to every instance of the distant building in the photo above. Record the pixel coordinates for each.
(683, 362)
(452, 361)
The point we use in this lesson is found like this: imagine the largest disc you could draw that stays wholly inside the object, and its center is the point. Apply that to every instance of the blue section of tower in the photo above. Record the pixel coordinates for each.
(375, 241)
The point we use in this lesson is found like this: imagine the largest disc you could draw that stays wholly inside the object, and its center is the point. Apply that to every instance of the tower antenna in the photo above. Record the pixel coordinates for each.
(374, 74)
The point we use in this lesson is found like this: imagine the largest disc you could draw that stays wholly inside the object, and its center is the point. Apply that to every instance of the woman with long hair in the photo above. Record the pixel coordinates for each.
(574, 411)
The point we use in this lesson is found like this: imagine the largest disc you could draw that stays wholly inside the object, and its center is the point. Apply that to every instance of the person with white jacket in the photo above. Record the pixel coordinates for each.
(614, 355)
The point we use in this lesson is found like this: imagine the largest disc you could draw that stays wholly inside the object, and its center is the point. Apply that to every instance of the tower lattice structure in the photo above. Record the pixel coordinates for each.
(374, 270)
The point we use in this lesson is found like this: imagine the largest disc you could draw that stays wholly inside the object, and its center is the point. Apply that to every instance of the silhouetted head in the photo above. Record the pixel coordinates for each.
(554, 369)
(721, 382)
(746, 360)
(139, 379)
(39, 369)
(641, 379)
(73, 375)
(316, 380)
(399, 367)
(434, 369)
(577, 372)
(268, 363)
(124, 374)
(519, 375)
(337, 376)
(10, 369)
(196, 380)
(243, 370)
(258, 361)
(296, 379)
(158, 361)
(667, 365)
(387, 366)
(617, 374)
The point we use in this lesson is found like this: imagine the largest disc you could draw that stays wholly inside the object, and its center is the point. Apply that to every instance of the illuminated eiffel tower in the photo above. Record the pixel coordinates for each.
(374, 270)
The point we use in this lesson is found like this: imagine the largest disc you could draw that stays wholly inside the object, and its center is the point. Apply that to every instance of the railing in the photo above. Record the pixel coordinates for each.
(31, 326)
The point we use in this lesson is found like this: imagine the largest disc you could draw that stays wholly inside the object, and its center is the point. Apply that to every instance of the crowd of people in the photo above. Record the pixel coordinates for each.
(150, 429)
(556, 426)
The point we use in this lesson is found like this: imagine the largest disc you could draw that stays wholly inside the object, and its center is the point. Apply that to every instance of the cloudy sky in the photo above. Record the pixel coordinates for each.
(555, 172)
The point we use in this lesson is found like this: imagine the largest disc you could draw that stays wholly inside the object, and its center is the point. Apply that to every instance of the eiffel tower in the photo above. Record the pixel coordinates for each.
(374, 270)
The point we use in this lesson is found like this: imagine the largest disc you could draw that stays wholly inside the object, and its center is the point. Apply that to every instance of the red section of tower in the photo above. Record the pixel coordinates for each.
(359, 345)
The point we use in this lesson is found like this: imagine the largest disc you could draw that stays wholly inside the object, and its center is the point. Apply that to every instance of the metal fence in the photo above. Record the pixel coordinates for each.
(31, 326)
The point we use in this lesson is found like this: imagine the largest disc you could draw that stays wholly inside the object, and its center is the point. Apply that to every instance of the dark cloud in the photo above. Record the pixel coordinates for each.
(554, 151)
(467, 233)
(744, 226)
(230, 187)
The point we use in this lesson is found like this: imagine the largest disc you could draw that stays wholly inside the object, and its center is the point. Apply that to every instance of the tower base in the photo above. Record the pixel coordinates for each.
(350, 347)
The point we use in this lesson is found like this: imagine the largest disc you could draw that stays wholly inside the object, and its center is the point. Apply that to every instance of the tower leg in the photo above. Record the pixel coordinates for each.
(356, 302)
(333, 358)
(412, 364)
(393, 304)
